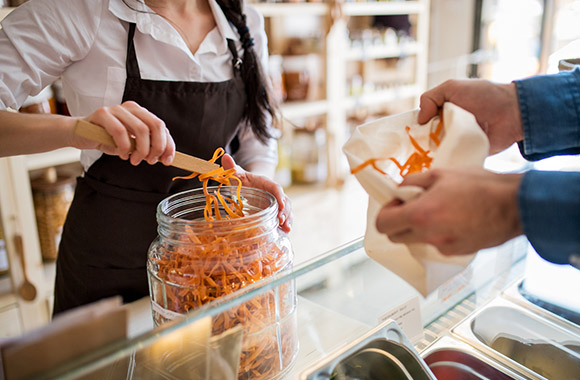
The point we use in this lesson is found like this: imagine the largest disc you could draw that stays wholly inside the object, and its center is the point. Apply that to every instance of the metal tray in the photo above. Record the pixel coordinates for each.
(558, 315)
(449, 358)
(383, 352)
(514, 336)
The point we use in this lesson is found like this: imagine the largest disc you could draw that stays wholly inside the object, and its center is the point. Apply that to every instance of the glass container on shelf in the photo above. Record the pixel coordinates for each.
(195, 261)
(308, 163)
(52, 196)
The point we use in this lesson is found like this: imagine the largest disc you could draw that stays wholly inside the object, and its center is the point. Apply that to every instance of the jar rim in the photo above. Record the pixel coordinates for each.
(197, 195)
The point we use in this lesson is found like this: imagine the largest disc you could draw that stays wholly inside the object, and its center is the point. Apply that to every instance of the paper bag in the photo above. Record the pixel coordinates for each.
(463, 144)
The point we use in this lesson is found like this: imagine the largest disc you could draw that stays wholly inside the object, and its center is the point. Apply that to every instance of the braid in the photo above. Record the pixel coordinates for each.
(260, 106)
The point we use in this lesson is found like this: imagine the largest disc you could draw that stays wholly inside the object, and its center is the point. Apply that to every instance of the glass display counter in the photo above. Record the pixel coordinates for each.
(336, 298)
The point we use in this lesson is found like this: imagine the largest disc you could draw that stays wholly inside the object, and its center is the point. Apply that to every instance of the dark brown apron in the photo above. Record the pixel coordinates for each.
(111, 222)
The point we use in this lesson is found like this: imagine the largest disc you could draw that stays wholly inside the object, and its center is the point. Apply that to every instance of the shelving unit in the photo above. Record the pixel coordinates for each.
(18, 219)
(337, 54)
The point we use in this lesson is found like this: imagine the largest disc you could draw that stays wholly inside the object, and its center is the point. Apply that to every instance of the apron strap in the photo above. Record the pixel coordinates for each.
(131, 64)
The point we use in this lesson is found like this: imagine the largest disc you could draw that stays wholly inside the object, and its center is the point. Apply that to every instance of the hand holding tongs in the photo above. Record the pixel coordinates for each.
(184, 161)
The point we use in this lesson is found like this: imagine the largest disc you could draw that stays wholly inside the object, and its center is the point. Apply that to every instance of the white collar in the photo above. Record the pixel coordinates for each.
(136, 11)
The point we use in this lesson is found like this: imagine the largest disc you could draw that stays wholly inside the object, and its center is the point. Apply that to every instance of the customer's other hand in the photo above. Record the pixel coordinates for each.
(495, 107)
(460, 211)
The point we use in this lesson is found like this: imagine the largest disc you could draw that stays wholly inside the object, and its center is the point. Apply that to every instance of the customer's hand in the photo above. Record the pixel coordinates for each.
(249, 179)
(460, 212)
(495, 107)
(153, 143)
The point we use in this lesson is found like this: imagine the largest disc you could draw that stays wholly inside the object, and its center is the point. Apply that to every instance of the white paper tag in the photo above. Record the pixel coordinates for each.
(408, 317)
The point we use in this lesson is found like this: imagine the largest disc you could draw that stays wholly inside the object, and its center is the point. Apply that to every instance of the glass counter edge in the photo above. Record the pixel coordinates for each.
(106, 355)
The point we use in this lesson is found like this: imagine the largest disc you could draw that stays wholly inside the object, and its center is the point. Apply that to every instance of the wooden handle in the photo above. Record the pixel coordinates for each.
(183, 161)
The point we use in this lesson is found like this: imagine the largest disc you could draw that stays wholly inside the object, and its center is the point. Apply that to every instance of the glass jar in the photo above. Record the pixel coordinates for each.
(193, 262)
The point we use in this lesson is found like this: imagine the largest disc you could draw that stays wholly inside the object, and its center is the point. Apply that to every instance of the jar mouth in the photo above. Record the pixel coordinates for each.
(187, 208)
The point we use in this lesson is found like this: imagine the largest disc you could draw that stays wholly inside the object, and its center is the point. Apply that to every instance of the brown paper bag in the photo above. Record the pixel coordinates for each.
(463, 144)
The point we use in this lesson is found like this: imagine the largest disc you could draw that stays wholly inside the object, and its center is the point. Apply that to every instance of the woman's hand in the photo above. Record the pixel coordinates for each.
(127, 121)
(460, 212)
(285, 216)
(495, 107)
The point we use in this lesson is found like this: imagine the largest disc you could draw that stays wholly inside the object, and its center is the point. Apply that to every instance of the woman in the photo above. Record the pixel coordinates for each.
(176, 75)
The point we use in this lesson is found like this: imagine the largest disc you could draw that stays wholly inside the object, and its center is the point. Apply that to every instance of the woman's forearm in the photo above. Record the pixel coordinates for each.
(34, 133)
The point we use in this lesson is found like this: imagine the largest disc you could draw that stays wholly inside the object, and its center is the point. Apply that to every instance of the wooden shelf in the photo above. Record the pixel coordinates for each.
(383, 8)
(383, 96)
(349, 9)
(296, 110)
(382, 51)
(5, 286)
(56, 157)
(284, 9)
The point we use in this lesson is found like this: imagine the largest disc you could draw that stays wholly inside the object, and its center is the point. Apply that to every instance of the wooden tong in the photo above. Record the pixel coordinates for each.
(183, 161)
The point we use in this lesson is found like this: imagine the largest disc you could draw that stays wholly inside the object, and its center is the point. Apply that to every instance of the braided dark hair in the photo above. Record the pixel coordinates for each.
(259, 103)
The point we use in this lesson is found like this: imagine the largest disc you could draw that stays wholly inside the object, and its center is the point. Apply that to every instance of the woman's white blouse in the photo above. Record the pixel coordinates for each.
(84, 42)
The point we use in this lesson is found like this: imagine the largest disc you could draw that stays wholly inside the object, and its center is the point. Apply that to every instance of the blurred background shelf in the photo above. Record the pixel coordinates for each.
(382, 51)
(383, 96)
(283, 9)
(296, 110)
(384, 8)
(55, 158)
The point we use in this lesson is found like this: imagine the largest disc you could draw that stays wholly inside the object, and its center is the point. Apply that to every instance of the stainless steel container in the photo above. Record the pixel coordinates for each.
(449, 358)
(383, 352)
(523, 341)
(517, 294)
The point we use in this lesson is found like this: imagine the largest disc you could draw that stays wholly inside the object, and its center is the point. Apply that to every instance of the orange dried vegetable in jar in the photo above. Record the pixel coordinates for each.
(195, 261)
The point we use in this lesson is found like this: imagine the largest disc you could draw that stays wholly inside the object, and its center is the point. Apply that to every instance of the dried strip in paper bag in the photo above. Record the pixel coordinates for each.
(462, 143)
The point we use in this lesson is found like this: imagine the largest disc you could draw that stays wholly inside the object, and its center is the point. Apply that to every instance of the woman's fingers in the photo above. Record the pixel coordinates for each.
(169, 153)
(229, 163)
(150, 132)
(115, 127)
(285, 216)
(130, 121)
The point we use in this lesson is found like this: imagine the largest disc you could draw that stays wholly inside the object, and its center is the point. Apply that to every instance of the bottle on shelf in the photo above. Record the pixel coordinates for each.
(52, 195)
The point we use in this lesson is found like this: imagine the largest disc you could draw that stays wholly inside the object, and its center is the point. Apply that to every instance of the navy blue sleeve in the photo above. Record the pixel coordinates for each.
(549, 205)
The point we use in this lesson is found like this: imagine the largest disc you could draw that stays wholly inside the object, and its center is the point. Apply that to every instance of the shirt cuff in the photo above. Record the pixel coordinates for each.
(550, 110)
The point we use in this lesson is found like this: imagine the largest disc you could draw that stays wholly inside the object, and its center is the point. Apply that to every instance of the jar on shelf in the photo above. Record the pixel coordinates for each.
(193, 262)
(44, 102)
(52, 195)
(297, 77)
(308, 157)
